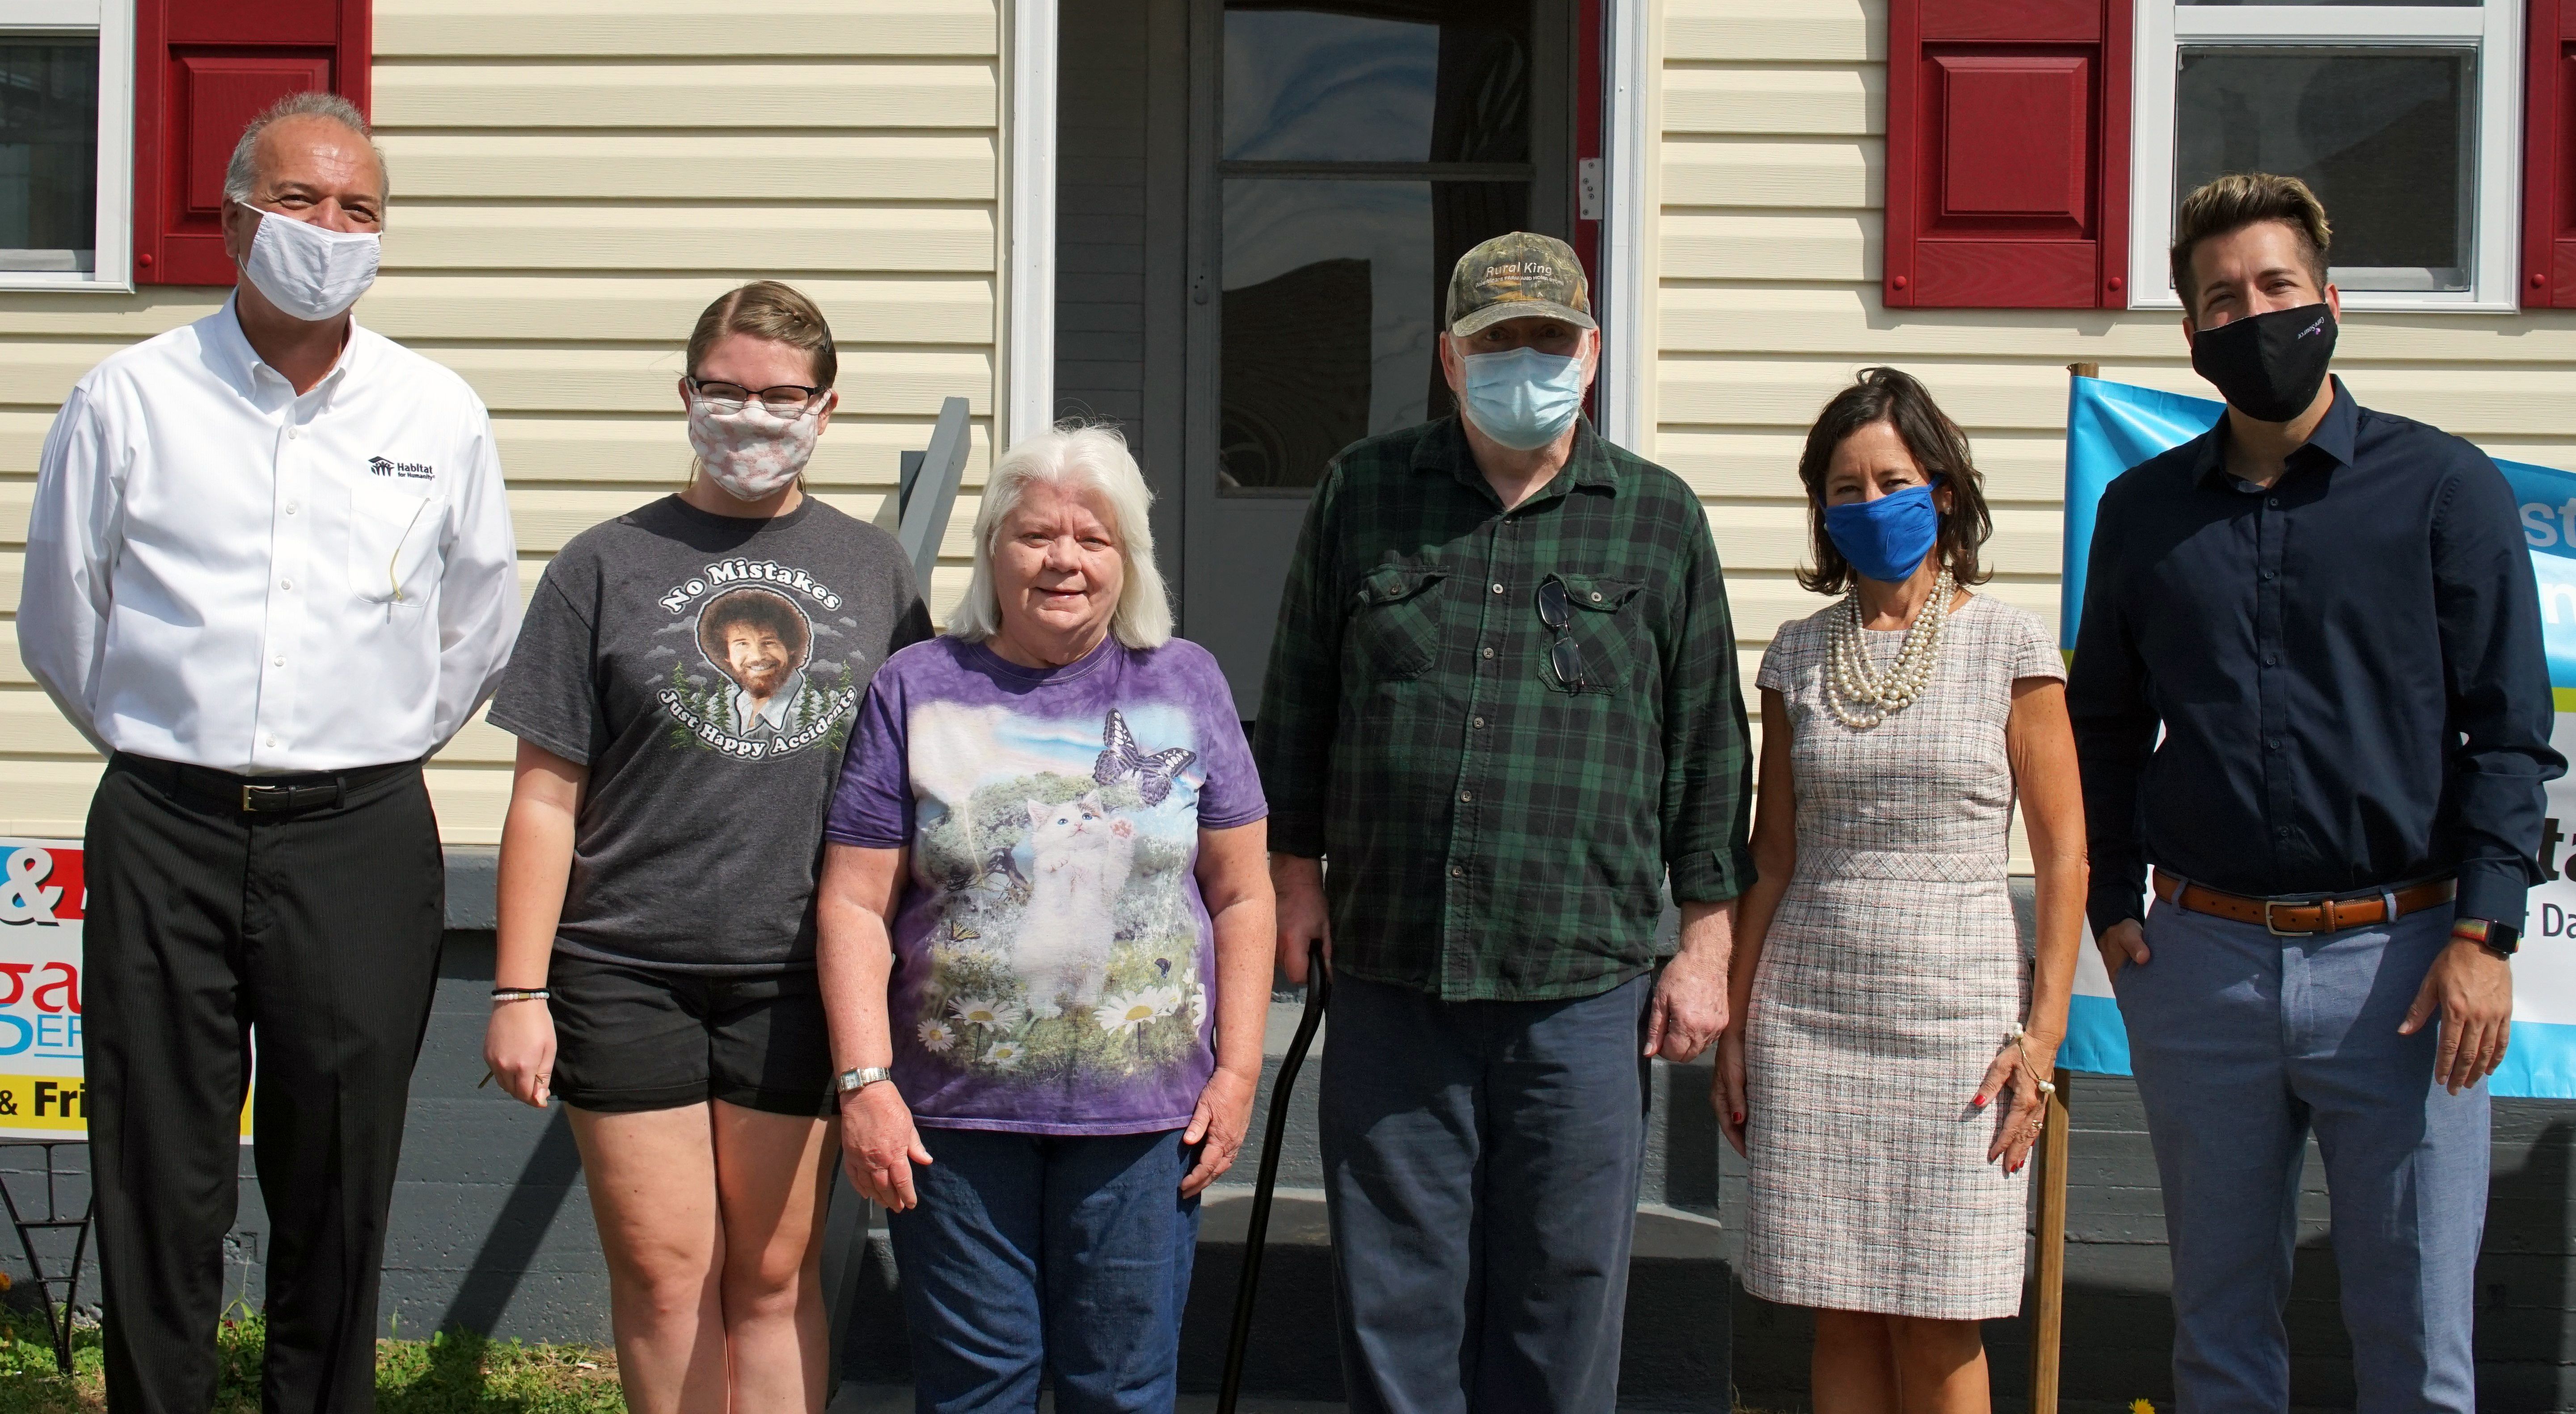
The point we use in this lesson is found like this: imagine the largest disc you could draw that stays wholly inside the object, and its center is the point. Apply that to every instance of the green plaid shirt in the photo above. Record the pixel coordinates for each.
(1491, 834)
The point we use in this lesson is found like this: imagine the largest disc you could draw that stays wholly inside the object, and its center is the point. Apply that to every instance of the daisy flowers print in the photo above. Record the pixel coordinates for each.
(1052, 953)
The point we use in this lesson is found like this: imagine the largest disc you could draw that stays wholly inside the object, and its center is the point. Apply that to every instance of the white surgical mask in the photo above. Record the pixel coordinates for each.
(1523, 399)
(750, 454)
(307, 271)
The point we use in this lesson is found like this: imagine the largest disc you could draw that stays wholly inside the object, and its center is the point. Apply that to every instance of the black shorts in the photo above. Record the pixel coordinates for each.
(630, 1038)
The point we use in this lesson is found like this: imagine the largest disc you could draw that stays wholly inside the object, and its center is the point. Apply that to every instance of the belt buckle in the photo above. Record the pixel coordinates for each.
(253, 803)
(2275, 929)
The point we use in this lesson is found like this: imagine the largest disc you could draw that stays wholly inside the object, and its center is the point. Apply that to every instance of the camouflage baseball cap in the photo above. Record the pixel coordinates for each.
(1518, 276)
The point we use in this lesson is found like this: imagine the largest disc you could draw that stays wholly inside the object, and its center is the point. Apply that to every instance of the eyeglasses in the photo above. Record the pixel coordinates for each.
(1565, 656)
(786, 399)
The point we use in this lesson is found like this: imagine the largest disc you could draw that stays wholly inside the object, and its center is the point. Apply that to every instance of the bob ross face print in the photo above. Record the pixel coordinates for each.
(758, 686)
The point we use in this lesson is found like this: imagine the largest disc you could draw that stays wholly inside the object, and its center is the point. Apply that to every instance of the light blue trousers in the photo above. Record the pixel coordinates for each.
(2243, 1042)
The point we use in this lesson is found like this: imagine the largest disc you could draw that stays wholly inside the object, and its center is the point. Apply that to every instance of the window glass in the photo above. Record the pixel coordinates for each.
(48, 153)
(1377, 81)
(2428, 4)
(1333, 295)
(2384, 136)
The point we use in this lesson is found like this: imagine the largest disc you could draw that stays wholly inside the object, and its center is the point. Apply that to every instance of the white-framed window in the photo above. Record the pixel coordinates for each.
(2405, 118)
(66, 144)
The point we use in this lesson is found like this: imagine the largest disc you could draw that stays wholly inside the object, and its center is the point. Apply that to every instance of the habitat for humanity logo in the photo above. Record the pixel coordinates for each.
(415, 471)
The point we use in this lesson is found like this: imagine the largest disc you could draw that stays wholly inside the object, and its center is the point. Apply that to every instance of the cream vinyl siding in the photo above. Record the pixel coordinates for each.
(573, 181)
(1772, 174)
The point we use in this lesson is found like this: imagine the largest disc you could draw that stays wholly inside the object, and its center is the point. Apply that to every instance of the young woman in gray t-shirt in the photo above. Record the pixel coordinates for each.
(682, 694)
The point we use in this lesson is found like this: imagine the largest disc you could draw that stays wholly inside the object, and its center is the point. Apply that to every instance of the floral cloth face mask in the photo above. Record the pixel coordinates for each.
(752, 453)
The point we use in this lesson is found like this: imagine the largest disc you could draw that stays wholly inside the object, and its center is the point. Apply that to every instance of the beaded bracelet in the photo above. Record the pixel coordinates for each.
(520, 994)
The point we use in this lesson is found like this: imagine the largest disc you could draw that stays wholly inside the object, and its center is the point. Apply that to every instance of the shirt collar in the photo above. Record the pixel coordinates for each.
(241, 366)
(1445, 448)
(2333, 437)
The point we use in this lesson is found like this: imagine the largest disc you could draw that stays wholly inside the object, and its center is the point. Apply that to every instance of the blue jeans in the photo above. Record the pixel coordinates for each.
(2243, 1042)
(1034, 1252)
(1481, 1162)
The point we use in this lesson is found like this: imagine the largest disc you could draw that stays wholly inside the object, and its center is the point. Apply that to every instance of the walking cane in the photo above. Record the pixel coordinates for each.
(1319, 992)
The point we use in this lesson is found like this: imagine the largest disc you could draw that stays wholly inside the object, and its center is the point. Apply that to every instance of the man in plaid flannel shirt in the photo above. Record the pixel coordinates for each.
(1503, 704)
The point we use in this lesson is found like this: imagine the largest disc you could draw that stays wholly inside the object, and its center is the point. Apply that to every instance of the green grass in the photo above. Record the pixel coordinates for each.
(449, 1373)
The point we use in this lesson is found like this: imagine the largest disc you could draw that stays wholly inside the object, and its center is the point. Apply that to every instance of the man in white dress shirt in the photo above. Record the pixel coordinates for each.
(269, 569)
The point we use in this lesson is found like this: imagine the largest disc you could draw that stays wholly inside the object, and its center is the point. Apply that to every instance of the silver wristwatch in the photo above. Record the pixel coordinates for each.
(853, 1081)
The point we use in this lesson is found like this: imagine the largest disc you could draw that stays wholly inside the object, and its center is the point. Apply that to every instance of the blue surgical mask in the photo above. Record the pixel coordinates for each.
(1886, 539)
(1523, 399)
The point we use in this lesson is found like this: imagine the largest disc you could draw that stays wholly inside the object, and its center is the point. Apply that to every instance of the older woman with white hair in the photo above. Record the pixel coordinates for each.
(1045, 949)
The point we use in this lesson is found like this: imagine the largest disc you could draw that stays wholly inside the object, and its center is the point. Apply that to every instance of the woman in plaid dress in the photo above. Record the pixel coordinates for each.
(1884, 1078)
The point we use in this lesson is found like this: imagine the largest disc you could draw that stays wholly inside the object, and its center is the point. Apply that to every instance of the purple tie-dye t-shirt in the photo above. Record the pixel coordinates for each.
(1052, 954)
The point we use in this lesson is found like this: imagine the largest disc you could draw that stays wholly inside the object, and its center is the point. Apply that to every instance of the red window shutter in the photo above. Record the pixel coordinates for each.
(2549, 156)
(2007, 154)
(203, 69)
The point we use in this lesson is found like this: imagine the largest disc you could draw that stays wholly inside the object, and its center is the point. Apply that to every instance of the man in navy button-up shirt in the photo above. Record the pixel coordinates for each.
(2332, 619)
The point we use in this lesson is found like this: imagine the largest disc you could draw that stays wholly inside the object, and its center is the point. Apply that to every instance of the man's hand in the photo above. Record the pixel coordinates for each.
(2473, 989)
(1689, 1008)
(2124, 946)
(879, 1146)
(1299, 884)
(1224, 1113)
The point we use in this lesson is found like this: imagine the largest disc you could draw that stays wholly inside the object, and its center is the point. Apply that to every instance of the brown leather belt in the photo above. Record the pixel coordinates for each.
(2303, 918)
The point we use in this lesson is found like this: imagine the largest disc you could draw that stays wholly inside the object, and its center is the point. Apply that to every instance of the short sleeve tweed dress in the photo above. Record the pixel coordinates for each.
(1890, 976)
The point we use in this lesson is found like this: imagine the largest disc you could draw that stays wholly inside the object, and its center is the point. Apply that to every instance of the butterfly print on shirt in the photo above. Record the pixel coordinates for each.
(1120, 759)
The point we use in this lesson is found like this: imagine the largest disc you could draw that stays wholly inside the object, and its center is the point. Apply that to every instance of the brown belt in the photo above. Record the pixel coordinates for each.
(2301, 919)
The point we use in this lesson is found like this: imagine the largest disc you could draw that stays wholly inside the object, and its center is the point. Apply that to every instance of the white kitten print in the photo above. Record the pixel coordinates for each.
(1083, 858)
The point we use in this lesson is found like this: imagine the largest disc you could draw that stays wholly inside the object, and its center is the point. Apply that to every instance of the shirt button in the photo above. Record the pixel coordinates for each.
(272, 741)
(1457, 871)
(278, 662)
(2274, 743)
(287, 585)
(2271, 574)
(1489, 652)
(1596, 596)
(291, 508)
(2273, 501)
(1465, 796)
(294, 432)
(2281, 830)
(1498, 586)
(2271, 660)
(1478, 723)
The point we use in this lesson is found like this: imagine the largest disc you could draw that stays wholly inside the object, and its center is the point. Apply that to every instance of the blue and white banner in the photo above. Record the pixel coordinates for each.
(2111, 427)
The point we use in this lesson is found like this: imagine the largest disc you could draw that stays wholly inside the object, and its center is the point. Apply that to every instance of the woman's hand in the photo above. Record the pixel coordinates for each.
(1219, 1122)
(519, 1046)
(1726, 1090)
(2017, 1070)
(879, 1146)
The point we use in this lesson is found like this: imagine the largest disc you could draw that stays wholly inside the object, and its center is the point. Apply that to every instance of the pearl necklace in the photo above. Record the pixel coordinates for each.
(1853, 690)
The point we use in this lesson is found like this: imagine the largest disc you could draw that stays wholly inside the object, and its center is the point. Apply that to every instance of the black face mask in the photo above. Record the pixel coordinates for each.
(2269, 366)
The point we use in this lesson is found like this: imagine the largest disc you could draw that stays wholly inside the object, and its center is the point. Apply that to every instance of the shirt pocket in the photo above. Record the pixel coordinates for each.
(394, 537)
(1608, 625)
(1394, 629)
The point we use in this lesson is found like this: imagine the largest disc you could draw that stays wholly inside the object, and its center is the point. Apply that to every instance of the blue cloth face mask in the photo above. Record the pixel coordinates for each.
(1523, 399)
(1886, 539)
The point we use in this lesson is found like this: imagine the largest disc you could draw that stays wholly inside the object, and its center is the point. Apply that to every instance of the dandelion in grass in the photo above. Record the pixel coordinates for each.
(937, 1037)
(986, 1011)
(1126, 1011)
(1005, 1055)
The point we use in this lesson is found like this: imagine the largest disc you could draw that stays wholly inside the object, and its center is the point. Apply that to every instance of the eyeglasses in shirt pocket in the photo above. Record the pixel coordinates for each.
(1394, 628)
(393, 544)
(1606, 627)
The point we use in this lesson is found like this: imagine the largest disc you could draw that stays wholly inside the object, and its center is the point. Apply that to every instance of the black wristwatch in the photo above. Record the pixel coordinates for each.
(2502, 939)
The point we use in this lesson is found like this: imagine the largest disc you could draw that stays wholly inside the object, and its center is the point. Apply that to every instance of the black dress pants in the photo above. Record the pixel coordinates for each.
(314, 929)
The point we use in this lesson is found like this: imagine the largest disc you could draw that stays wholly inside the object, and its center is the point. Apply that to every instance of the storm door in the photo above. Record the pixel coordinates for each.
(1343, 155)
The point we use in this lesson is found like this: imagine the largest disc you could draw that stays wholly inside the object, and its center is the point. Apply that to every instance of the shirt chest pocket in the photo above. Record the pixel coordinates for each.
(1606, 623)
(1394, 629)
(394, 538)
